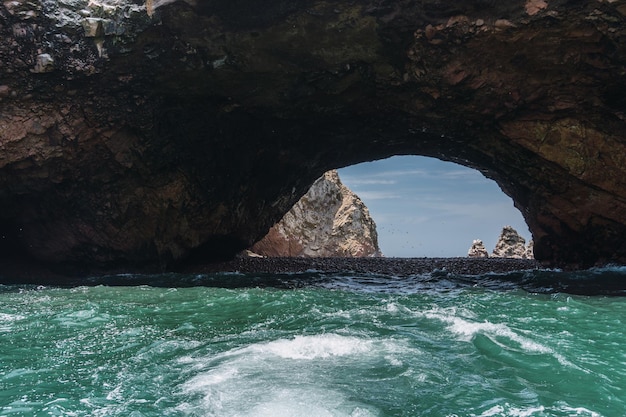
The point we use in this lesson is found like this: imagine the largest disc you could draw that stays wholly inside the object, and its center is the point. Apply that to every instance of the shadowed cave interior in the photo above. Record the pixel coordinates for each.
(159, 133)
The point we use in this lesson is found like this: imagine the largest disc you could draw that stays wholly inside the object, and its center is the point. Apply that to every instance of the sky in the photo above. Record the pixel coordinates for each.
(426, 207)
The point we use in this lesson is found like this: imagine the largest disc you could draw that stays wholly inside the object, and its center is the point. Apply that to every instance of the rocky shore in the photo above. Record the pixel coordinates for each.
(12, 272)
(283, 273)
(385, 266)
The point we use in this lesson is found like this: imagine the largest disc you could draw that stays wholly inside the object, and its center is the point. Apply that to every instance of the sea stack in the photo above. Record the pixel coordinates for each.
(478, 250)
(510, 245)
(328, 221)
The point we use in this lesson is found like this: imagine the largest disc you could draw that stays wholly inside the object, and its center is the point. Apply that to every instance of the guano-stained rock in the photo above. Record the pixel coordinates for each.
(528, 253)
(477, 250)
(162, 131)
(328, 221)
(510, 245)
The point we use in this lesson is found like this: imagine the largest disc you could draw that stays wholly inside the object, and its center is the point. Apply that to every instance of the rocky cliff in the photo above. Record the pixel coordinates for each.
(137, 132)
(328, 221)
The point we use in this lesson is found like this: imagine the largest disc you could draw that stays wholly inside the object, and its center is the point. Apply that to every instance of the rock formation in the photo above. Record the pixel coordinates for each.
(529, 252)
(510, 244)
(328, 221)
(477, 250)
(147, 133)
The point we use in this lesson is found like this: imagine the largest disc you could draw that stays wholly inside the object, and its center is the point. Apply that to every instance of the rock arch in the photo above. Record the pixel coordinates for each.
(148, 133)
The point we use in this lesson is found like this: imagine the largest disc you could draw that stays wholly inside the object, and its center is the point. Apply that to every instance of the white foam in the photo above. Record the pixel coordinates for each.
(5, 317)
(116, 393)
(393, 361)
(314, 347)
(579, 411)
(493, 411)
(274, 401)
(299, 403)
(7, 320)
(512, 411)
(286, 377)
(526, 412)
(468, 329)
(213, 377)
(502, 330)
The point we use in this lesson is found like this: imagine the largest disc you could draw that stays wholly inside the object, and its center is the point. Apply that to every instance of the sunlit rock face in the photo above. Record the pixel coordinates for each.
(529, 251)
(511, 245)
(148, 133)
(477, 250)
(328, 221)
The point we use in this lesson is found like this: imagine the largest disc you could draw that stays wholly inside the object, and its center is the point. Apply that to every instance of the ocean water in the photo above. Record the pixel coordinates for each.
(316, 344)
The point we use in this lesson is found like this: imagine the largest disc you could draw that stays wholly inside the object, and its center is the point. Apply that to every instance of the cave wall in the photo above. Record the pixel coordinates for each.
(149, 132)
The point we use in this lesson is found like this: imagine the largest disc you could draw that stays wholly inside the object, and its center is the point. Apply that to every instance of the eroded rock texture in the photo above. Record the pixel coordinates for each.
(328, 221)
(150, 132)
(477, 250)
(511, 245)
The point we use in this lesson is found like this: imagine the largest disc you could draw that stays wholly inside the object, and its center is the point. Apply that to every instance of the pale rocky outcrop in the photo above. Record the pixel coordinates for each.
(529, 253)
(477, 250)
(328, 221)
(511, 245)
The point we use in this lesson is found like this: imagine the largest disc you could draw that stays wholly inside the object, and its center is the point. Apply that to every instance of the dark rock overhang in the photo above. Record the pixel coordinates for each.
(143, 133)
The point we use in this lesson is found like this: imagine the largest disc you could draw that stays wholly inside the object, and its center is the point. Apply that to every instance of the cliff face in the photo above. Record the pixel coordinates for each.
(146, 132)
(328, 221)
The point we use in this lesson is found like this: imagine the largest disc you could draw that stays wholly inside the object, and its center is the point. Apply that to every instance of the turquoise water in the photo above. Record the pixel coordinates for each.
(313, 345)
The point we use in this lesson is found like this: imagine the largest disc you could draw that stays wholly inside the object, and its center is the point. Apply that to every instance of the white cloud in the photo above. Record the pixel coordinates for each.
(378, 195)
(368, 181)
(385, 175)
(403, 173)
(464, 174)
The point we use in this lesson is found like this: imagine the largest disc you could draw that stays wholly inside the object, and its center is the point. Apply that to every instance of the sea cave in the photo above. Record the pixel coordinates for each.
(137, 133)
